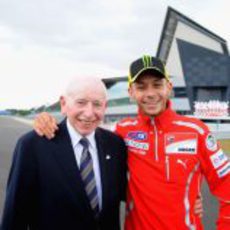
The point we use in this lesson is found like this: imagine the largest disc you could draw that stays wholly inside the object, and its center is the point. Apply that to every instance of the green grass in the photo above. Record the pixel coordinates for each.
(225, 144)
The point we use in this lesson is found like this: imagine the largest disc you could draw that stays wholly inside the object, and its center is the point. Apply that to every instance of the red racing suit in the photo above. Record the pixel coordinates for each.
(167, 156)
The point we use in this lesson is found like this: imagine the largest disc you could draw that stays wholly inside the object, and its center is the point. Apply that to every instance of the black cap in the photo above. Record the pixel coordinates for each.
(146, 63)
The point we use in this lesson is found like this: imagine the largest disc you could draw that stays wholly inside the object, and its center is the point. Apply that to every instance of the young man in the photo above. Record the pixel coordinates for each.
(75, 181)
(167, 155)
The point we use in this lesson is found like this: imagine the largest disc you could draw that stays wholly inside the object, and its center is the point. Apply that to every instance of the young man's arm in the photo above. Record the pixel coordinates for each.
(216, 166)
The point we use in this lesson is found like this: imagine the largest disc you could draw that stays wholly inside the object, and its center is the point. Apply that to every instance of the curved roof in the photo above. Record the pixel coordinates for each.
(168, 32)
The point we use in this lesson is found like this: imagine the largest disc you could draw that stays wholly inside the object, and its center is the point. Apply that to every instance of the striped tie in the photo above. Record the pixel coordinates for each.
(87, 175)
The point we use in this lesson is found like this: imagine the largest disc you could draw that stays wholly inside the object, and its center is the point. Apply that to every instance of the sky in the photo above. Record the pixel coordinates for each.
(44, 44)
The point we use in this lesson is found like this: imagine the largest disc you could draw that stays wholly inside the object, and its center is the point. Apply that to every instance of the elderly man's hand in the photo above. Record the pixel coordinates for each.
(45, 125)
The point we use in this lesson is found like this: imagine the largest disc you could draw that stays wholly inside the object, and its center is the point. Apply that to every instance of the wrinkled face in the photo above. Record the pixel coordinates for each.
(151, 93)
(85, 109)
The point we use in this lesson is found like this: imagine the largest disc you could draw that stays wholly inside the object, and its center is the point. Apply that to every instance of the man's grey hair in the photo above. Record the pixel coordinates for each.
(85, 82)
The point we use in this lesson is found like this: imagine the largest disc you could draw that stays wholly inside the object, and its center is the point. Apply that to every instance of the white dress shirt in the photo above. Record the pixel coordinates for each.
(78, 148)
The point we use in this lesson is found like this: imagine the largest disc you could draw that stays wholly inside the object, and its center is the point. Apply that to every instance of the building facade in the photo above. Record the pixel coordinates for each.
(198, 63)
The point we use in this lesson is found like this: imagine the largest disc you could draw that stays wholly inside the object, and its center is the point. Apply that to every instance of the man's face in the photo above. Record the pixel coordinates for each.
(151, 93)
(85, 109)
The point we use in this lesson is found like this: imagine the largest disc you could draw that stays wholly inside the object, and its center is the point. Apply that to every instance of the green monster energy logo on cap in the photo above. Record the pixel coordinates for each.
(147, 61)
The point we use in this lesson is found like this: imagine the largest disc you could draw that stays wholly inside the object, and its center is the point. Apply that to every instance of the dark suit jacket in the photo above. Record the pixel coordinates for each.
(45, 190)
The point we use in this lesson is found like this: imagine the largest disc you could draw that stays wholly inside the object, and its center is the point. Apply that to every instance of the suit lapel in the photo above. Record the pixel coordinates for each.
(102, 148)
(64, 155)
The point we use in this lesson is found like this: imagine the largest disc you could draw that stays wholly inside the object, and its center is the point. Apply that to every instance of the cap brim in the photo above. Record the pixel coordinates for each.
(155, 70)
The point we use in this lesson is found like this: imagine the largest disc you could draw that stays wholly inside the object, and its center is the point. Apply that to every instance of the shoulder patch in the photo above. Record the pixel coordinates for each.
(224, 170)
(218, 158)
(211, 142)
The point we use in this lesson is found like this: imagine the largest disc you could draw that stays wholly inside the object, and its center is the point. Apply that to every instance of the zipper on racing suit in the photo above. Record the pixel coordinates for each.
(156, 139)
(167, 169)
(167, 164)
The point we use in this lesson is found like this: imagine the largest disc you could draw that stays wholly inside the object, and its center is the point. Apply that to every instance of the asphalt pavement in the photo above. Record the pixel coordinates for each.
(11, 130)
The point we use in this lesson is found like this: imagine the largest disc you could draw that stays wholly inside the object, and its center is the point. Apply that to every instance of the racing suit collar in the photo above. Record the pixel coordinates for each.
(163, 119)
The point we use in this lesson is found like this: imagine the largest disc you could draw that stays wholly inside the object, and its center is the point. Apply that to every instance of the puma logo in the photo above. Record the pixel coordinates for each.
(183, 163)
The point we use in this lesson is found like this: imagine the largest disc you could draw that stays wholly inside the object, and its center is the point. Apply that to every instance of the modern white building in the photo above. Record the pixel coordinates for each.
(198, 63)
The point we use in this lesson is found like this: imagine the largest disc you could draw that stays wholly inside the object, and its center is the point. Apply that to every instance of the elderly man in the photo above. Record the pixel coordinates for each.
(75, 181)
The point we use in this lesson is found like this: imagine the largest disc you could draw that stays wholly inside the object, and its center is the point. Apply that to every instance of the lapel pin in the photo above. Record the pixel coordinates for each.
(107, 157)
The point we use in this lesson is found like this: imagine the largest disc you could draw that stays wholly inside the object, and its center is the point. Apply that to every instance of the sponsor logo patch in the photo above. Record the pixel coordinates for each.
(181, 143)
(224, 170)
(137, 145)
(137, 135)
(211, 143)
(218, 159)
